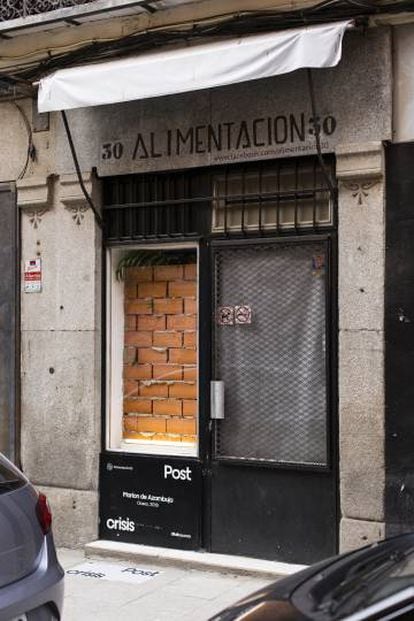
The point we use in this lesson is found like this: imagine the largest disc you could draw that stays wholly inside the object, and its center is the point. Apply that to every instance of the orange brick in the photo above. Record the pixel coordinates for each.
(153, 390)
(148, 423)
(182, 289)
(183, 391)
(130, 388)
(139, 339)
(168, 272)
(130, 355)
(190, 407)
(130, 289)
(139, 274)
(168, 407)
(130, 322)
(168, 306)
(138, 406)
(130, 423)
(139, 307)
(167, 372)
(182, 356)
(181, 322)
(138, 371)
(167, 339)
(151, 355)
(181, 425)
(190, 374)
(190, 339)
(151, 322)
(152, 289)
(190, 306)
(190, 271)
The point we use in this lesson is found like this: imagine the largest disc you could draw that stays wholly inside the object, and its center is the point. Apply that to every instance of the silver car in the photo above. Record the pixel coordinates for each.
(31, 579)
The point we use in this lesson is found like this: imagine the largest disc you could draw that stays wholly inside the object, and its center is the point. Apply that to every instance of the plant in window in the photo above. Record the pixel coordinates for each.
(140, 258)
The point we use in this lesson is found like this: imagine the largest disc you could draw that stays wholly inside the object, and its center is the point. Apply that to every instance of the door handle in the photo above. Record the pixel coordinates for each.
(217, 400)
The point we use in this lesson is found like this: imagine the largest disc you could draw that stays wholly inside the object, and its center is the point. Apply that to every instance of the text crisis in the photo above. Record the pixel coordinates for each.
(226, 136)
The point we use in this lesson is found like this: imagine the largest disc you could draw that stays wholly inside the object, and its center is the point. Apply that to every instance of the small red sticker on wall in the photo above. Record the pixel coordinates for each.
(33, 276)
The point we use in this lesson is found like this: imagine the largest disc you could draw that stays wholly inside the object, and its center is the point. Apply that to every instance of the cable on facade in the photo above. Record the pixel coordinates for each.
(31, 151)
(317, 134)
(247, 22)
(88, 198)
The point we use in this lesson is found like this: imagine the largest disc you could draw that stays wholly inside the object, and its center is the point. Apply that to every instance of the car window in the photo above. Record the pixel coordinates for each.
(8, 475)
(368, 584)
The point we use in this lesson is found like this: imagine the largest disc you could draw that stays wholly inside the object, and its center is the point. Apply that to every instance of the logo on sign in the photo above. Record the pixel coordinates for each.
(122, 524)
(178, 474)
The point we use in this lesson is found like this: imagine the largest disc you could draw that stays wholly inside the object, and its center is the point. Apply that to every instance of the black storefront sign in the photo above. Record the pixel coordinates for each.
(150, 500)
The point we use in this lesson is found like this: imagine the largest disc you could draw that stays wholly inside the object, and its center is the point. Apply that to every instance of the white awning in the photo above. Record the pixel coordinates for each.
(193, 68)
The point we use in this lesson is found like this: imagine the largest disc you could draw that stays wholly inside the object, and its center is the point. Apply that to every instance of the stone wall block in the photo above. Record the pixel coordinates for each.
(403, 81)
(361, 233)
(361, 414)
(361, 237)
(361, 384)
(74, 516)
(357, 533)
(66, 241)
(362, 467)
(61, 408)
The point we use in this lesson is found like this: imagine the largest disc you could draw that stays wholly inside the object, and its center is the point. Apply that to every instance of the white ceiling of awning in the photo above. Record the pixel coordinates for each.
(193, 68)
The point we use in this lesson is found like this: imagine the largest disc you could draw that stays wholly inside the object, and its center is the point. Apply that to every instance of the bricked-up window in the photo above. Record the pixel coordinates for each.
(159, 368)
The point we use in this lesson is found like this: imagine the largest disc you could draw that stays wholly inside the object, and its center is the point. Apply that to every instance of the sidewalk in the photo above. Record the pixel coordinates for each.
(145, 591)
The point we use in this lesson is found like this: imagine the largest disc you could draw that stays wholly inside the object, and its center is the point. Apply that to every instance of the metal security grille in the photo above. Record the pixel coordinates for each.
(273, 368)
(141, 207)
(13, 9)
(266, 198)
(285, 195)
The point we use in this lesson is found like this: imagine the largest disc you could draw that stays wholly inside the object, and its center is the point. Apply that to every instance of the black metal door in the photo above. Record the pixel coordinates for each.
(273, 473)
(9, 304)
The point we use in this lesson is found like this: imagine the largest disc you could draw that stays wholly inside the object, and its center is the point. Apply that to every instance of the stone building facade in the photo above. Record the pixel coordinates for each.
(74, 332)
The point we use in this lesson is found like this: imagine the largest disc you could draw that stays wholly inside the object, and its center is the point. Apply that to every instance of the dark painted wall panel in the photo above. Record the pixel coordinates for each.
(399, 338)
(8, 318)
(279, 515)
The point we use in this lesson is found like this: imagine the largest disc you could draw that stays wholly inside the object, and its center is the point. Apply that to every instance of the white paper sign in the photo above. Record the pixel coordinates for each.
(33, 276)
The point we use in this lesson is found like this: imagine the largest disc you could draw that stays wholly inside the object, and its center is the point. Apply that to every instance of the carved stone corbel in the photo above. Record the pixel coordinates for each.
(360, 167)
(72, 197)
(34, 198)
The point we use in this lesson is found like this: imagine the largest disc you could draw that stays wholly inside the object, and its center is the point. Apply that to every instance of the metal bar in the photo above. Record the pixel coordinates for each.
(296, 175)
(256, 241)
(178, 198)
(260, 197)
(291, 195)
(181, 211)
(243, 197)
(278, 198)
(155, 212)
(314, 195)
(31, 8)
(279, 465)
(226, 185)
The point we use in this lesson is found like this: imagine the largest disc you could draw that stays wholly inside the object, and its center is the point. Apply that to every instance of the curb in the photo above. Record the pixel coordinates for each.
(196, 560)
